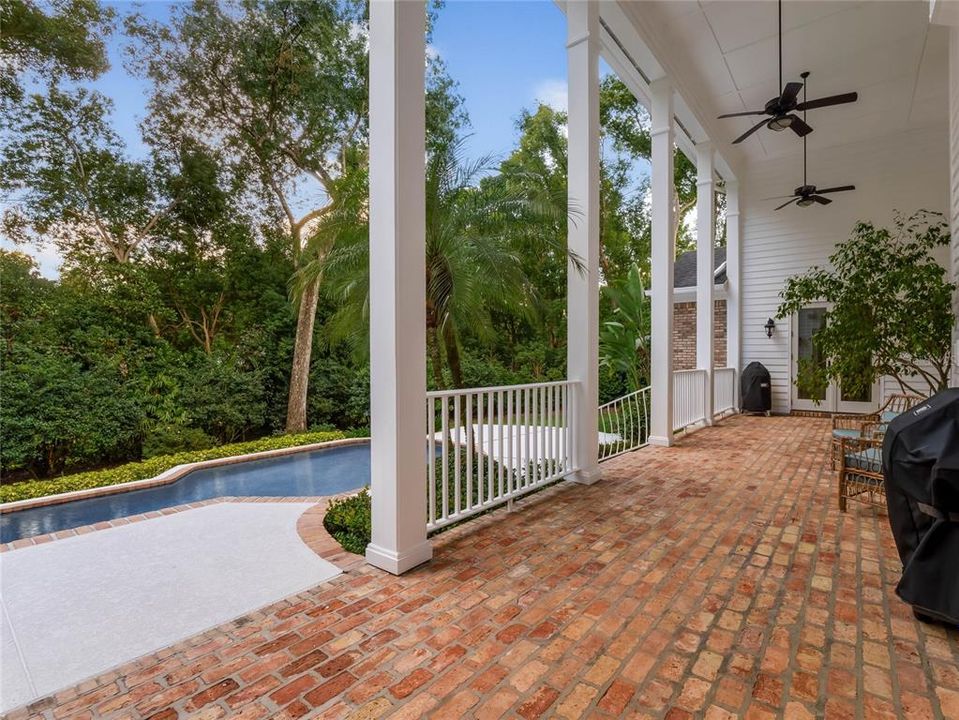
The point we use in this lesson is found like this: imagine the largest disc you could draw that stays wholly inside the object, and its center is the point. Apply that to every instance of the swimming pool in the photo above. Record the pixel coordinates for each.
(318, 472)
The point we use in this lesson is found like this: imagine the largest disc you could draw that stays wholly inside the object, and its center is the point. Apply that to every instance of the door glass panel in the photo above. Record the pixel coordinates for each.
(863, 396)
(811, 321)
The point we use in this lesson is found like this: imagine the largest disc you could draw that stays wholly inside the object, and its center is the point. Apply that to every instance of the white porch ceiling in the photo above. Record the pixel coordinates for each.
(725, 52)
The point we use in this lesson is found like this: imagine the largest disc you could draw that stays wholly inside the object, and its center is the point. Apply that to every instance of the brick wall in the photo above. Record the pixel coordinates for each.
(684, 335)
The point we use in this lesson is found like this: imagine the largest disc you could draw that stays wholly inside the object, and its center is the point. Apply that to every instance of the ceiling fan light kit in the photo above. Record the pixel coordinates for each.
(806, 194)
(782, 108)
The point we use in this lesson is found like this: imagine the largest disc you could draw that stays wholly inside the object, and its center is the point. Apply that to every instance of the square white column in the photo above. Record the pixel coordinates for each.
(663, 258)
(734, 313)
(705, 240)
(398, 285)
(582, 359)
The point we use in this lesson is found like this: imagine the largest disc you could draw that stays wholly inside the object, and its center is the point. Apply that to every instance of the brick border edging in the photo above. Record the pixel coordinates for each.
(309, 526)
(168, 477)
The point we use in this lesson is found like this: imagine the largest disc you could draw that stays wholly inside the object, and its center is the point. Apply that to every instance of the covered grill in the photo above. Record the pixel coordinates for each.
(756, 389)
(920, 461)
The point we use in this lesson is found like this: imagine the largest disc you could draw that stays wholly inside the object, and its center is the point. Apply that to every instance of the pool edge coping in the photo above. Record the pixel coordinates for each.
(170, 476)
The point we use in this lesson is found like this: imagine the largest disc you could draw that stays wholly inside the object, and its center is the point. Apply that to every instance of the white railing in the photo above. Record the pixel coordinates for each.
(486, 446)
(624, 424)
(689, 398)
(724, 390)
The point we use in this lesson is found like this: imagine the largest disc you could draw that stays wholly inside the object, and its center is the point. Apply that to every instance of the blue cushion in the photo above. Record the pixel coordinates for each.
(888, 416)
(846, 433)
(869, 459)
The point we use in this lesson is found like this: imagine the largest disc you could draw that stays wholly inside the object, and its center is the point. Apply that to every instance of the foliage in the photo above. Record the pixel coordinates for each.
(890, 310)
(348, 520)
(154, 466)
(627, 124)
(67, 41)
(277, 88)
(624, 340)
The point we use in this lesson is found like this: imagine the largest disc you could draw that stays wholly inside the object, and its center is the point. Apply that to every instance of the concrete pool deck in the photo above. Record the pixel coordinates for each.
(78, 606)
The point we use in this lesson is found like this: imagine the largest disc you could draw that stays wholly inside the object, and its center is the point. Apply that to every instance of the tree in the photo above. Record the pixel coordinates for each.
(473, 266)
(73, 183)
(279, 88)
(890, 307)
(624, 341)
(626, 123)
(68, 41)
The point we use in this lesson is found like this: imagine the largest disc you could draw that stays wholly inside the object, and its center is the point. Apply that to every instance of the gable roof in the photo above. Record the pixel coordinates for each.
(684, 269)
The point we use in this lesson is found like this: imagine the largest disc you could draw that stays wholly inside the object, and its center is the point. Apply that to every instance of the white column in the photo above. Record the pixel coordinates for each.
(705, 240)
(398, 285)
(582, 293)
(734, 313)
(663, 257)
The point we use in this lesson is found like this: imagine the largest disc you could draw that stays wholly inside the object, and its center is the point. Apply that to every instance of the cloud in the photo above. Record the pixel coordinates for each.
(553, 93)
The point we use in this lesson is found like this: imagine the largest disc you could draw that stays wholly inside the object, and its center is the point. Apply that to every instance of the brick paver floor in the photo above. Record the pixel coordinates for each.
(713, 579)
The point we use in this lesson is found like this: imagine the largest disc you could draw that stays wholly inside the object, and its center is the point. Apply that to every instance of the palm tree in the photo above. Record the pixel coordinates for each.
(624, 341)
(472, 266)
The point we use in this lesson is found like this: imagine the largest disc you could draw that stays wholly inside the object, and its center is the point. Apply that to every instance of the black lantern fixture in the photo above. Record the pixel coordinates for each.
(770, 326)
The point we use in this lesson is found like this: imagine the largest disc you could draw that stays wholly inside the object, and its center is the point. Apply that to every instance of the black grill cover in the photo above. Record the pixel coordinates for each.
(756, 388)
(920, 464)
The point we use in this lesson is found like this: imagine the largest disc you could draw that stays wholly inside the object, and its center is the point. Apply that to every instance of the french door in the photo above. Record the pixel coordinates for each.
(831, 398)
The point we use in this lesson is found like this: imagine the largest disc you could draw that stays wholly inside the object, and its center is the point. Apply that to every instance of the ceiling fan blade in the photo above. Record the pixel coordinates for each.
(781, 197)
(799, 126)
(749, 132)
(787, 203)
(742, 114)
(827, 101)
(790, 93)
(820, 200)
(841, 188)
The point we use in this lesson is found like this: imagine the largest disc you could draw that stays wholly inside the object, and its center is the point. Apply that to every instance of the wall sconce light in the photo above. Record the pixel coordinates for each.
(770, 326)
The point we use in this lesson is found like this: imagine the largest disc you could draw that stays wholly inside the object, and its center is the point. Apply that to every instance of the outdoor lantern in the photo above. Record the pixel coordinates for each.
(770, 326)
(780, 123)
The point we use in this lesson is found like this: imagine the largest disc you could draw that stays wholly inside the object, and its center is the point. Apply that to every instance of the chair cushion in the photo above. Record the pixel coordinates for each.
(888, 416)
(869, 459)
(846, 433)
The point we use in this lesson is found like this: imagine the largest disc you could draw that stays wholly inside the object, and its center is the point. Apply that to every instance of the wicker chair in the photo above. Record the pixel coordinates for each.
(851, 427)
(860, 469)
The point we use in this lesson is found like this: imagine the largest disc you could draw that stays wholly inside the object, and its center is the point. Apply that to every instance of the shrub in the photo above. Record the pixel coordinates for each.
(154, 466)
(168, 439)
(348, 521)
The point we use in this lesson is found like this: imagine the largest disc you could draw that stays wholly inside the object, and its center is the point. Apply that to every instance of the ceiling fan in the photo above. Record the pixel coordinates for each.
(806, 194)
(782, 108)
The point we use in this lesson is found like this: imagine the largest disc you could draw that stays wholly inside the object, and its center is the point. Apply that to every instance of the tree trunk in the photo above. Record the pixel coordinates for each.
(436, 357)
(453, 355)
(302, 351)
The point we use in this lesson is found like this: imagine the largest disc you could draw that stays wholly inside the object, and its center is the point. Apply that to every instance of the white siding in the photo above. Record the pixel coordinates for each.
(907, 171)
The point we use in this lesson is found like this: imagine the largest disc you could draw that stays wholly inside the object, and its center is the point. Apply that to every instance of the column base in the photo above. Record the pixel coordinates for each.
(398, 563)
(587, 476)
(660, 441)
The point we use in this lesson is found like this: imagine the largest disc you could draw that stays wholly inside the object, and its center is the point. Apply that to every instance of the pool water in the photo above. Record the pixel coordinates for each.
(319, 472)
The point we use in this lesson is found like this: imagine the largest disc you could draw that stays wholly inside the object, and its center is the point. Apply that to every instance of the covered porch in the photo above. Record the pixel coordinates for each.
(686, 63)
(715, 579)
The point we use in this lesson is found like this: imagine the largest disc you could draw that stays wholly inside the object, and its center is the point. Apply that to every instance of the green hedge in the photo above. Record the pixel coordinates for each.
(348, 521)
(154, 466)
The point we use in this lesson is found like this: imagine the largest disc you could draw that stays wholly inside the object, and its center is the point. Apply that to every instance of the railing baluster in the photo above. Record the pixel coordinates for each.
(468, 426)
(480, 476)
(445, 408)
(431, 457)
(509, 448)
(457, 468)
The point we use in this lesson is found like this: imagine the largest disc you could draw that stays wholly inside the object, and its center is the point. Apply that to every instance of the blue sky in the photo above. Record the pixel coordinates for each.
(501, 67)
(506, 56)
